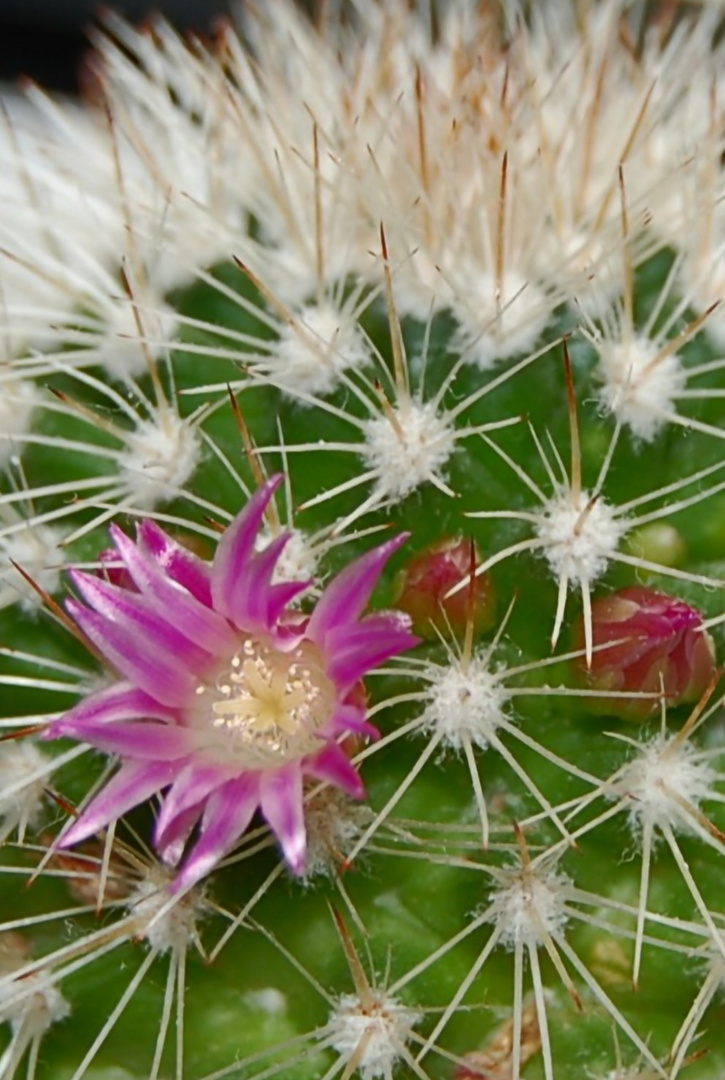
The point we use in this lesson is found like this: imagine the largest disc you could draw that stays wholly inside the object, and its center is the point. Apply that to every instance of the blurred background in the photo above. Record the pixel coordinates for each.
(45, 39)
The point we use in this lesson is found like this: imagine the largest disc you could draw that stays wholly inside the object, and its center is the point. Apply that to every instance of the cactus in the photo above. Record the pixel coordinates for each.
(361, 538)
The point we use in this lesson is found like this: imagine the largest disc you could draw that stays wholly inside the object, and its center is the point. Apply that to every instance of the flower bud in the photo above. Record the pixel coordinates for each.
(659, 647)
(421, 588)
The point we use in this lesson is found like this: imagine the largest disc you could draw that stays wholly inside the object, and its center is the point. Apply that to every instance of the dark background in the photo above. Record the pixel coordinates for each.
(45, 39)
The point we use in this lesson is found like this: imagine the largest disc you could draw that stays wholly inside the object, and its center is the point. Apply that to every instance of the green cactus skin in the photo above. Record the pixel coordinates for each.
(250, 255)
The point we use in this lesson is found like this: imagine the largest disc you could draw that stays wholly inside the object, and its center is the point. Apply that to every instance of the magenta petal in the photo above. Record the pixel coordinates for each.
(248, 606)
(236, 546)
(360, 634)
(154, 671)
(120, 702)
(177, 835)
(134, 782)
(355, 650)
(130, 611)
(346, 596)
(348, 720)
(195, 620)
(193, 785)
(181, 565)
(227, 814)
(280, 798)
(149, 740)
(279, 596)
(334, 767)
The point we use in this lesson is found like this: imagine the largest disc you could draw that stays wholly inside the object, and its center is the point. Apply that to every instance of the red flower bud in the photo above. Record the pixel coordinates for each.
(422, 586)
(659, 646)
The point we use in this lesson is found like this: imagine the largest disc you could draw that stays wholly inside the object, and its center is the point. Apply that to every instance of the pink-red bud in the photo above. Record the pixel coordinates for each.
(421, 589)
(659, 647)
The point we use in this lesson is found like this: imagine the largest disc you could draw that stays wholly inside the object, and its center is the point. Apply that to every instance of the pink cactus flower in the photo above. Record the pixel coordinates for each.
(226, 699)
(657, 644)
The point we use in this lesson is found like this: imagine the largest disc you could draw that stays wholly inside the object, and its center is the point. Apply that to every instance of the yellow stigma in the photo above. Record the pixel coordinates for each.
(265, 706)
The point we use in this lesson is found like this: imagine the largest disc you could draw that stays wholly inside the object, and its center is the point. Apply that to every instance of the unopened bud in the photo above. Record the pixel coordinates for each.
(422, 586)
(657, 647)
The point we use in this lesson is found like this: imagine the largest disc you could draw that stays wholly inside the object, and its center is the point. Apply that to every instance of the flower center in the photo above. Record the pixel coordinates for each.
(265, 707)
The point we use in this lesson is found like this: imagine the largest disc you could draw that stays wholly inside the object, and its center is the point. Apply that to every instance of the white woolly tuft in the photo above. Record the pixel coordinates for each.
(30, 1004)
(664, 775)
(578, 539)
(464, 704)
(530, 906)
(333, 823)
(385, 1025)
(167, 922)
(34, 548)
(40, 1006)
(636, 390)
(314, 350)
(409, 453)
(496, 324)
(121, 352)
(23, 808)
(161, 456)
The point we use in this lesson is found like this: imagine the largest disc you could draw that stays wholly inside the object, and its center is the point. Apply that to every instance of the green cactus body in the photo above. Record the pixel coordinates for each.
(454, 272)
